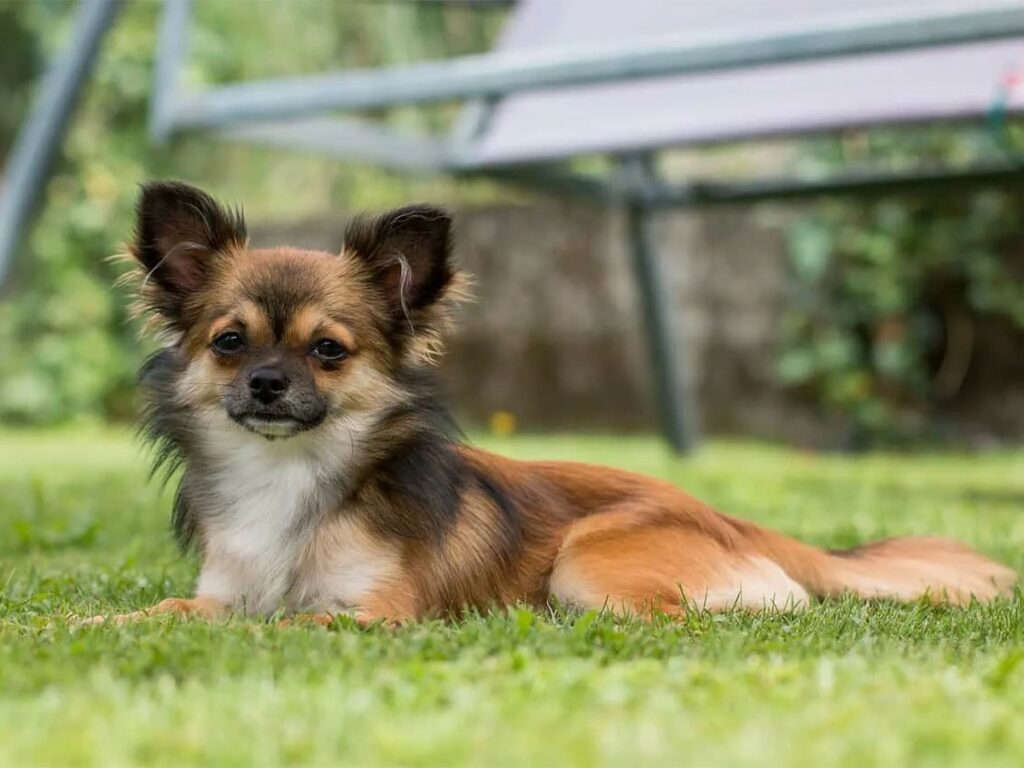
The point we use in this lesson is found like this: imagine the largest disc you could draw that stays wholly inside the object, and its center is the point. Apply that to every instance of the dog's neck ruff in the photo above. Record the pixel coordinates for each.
(258, 503)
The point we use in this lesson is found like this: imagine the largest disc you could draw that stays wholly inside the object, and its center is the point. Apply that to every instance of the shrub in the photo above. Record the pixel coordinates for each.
(888, 293)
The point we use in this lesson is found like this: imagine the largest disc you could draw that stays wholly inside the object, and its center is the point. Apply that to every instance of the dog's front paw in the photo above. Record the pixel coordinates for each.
(119, 618)
(199, 607)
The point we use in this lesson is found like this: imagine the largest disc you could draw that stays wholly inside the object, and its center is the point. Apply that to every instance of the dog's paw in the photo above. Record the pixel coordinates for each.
(200, 608)
(117, 619)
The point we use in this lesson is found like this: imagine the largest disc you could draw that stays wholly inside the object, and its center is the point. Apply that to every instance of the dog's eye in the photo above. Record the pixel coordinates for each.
(228, 343)
(329, 350)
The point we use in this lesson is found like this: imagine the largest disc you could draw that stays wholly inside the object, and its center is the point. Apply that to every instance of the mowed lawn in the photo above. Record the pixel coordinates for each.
(847, 683)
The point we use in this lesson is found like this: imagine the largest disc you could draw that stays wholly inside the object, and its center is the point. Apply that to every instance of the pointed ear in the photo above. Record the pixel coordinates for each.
(409, 253)
(179, 230)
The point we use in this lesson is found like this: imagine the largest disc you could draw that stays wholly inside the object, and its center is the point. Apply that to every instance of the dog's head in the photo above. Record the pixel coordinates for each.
(284, 341)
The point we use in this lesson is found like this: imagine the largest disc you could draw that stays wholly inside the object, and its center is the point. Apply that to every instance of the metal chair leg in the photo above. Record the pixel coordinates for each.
(41, 133)
(675, 401)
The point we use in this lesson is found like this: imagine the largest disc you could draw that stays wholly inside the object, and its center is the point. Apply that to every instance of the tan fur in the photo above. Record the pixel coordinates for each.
(343, 552)
(199, 607)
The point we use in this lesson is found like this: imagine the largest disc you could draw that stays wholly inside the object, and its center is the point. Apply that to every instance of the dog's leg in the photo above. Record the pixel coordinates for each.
(197, 607)
(609, 561)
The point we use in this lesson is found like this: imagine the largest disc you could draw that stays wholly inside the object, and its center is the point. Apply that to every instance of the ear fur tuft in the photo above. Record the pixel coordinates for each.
(408, 251)
(409, 254)
(179, 231)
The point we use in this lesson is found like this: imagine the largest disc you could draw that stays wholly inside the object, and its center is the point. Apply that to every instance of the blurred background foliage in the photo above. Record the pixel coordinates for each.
(886, 293)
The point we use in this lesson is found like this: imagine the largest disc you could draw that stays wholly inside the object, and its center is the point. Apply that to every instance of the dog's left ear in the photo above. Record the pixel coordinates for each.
(409, 253)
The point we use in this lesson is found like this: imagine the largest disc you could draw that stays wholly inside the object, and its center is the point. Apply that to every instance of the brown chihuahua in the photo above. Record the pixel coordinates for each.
(322, 474)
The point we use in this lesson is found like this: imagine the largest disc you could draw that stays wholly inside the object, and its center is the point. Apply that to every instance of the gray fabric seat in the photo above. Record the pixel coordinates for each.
(948, 82)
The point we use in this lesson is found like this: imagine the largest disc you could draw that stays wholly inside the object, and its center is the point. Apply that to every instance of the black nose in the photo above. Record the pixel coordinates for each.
(267, 384)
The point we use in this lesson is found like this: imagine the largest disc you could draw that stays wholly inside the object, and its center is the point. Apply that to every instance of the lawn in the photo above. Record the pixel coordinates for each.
(848, 683)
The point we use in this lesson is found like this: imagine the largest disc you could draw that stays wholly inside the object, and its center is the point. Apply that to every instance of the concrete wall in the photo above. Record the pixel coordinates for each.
(554, 336)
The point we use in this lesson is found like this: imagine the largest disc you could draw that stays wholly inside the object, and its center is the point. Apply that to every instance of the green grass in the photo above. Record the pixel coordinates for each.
(847, 683)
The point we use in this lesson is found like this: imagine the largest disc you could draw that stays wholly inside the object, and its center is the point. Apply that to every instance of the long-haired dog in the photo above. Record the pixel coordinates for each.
(321, 474)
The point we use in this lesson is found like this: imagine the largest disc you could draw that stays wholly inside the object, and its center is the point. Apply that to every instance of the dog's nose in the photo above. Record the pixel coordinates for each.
(267, 384)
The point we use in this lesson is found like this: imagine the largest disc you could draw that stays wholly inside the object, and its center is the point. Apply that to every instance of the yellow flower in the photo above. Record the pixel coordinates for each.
(503, 423)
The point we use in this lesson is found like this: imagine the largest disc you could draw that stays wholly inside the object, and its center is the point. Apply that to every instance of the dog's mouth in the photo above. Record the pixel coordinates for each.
(273, 426)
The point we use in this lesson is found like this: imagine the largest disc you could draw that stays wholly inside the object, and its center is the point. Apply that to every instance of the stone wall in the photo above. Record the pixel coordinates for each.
(554, 335)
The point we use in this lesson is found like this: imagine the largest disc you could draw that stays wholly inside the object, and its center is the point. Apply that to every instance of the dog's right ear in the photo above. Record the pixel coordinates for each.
(179, 231)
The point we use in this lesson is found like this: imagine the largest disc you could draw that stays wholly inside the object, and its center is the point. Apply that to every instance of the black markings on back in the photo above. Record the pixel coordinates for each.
(506, 508)
(425, 479)
(422, 481)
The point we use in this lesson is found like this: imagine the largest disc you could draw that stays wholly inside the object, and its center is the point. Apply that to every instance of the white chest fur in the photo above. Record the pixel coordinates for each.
(273, 537)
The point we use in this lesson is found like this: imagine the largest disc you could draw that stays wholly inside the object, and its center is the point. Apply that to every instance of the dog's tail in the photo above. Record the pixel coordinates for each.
(905, 569)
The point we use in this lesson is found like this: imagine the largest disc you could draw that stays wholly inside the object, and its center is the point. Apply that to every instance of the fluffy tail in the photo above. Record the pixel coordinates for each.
(906, 569)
